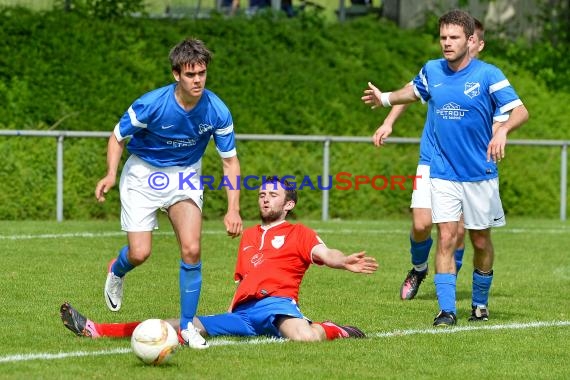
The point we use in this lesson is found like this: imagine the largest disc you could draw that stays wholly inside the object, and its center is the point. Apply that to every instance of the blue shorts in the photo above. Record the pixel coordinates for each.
(252, 318)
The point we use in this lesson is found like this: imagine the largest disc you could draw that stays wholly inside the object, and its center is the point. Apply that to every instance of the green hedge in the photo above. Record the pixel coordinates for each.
(278, 76)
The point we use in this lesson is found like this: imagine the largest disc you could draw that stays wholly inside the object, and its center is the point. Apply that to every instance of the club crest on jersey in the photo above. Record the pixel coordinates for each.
(278, 241)
(472, 89)
(203, 128)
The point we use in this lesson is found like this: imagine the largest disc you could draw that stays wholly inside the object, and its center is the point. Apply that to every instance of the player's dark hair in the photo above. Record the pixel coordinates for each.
(189, 52)
(479, 29)
(459, 18)
(273, 180)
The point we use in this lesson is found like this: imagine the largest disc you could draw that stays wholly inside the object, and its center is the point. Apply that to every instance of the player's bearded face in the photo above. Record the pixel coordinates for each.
(271, 215)
(454, 43)
(271, 205)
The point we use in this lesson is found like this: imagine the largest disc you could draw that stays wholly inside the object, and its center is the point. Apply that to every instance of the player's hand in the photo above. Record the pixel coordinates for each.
(103, 186)
(381, 134)
(233, 223)
(360, 263)
(496, 148)
(372, 96)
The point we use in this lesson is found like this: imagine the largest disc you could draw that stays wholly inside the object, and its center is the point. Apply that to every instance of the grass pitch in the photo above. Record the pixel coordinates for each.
(46, 263)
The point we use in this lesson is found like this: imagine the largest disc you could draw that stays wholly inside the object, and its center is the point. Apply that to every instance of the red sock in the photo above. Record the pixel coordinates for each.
(332, 330)
(116, 330)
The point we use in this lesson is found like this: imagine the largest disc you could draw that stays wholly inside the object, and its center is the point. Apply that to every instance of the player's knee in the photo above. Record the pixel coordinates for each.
(138, 255)
(421, 229)
(447, 238)
(190, 252)
(479, 244)
(481, 241)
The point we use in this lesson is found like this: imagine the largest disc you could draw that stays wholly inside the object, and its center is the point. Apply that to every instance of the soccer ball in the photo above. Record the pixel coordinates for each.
(154, 341)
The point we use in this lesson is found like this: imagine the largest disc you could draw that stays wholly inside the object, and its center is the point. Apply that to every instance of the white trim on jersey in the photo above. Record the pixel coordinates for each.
(224, 131)
(509, 106)
(227, 154)
(134, 120)
(499, 86)
(418, 95)
(117, 133)
(501, 118)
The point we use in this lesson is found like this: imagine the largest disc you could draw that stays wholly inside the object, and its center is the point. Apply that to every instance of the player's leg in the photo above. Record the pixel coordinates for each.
(138, 218)
(234, 324)
(483, 257)
(186, 219)
(281, 317)
(82, 326)
(301, 330)
(483, 210)
(460, 250)
(420, 246)
(420, 235)
(446, 212)
(130, 256)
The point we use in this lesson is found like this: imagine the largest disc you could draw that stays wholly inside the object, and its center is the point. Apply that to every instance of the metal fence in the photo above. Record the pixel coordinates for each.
(325, 141)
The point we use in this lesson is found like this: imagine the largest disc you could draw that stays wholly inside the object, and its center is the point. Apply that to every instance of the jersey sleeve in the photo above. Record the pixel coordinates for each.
(503, 94)
(133, 120)
(308, 239)
(224, 136)
(420, 84)
(224, 139)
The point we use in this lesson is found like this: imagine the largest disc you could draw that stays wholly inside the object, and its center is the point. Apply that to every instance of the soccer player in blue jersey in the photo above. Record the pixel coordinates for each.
(463, 96)
(168, 130)
(420, 236)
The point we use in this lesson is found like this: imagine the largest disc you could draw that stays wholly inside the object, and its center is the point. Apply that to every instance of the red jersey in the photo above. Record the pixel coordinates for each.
(273, 260)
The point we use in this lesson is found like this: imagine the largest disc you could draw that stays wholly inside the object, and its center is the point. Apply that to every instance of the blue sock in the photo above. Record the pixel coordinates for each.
(445, 290)
(481, 285)
(122, 266)
(420, 251)
(190, 286)
(459, 258)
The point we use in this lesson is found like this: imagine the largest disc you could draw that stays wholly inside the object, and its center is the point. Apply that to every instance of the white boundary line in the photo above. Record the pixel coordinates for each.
(262, 340)
(60, 355)
(72, 235)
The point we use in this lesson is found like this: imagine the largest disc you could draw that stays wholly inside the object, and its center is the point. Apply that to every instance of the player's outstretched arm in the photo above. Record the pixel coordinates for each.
(333, 258)
(375, 98)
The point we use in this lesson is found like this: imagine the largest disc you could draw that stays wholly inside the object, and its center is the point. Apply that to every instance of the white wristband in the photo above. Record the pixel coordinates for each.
(385, 99)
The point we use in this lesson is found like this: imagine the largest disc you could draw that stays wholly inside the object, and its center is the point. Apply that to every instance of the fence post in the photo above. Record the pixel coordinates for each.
(326, 171)
(563, 180)
(59, 179)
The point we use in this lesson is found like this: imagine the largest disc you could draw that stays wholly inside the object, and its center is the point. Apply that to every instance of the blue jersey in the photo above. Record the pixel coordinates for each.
(164, 134)
(426, 142)
(461, 106)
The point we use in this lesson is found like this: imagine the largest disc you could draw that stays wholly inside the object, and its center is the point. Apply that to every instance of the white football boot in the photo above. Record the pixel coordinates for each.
(192, 337)
(113, 289)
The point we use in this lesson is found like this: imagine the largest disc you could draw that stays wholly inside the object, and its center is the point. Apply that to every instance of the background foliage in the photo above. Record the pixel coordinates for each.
(72, 71)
